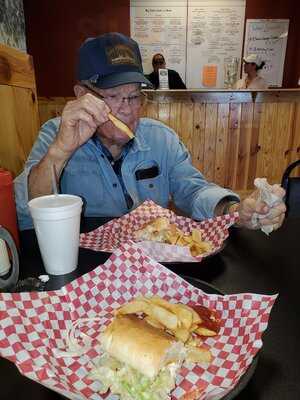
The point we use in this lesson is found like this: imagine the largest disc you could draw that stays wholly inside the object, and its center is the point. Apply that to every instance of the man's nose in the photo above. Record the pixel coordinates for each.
(125, 105)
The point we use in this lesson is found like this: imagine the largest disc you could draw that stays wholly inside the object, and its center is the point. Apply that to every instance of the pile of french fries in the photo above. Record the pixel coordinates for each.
(194, 240)
(183, 322)
(161, 230)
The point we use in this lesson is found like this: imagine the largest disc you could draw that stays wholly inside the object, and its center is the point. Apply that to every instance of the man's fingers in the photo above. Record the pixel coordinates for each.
(87, 118)
(88, 103)
(96, 107)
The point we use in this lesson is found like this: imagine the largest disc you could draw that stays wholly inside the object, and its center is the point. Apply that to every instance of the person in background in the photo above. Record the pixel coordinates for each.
(115, 173)
(158, 62)
(252, 65)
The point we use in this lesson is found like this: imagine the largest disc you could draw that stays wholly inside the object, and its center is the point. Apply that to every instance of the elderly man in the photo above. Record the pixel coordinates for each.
(111, 172)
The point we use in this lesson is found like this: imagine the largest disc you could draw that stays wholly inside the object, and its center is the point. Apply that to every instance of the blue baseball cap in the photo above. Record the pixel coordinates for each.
(111, 60)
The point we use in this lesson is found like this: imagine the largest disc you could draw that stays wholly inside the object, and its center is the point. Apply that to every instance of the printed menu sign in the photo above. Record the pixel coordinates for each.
(214, 42)
(160, 27)
(268, 38)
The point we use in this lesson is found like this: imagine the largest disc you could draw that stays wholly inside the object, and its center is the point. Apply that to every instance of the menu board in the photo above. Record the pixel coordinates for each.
(160, 27)
(214, 42)
(268, 38)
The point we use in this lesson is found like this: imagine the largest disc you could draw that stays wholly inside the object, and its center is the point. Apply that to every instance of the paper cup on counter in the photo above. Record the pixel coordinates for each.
(56, 220)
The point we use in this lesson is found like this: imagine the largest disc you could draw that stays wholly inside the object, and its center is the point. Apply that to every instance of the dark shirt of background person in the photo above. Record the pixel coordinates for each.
(175, 81)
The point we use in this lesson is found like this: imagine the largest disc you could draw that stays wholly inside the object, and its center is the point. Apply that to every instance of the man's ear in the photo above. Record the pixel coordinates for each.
(79, 90)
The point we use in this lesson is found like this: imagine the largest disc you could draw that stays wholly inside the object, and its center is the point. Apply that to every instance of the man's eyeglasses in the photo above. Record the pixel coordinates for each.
(117, 101)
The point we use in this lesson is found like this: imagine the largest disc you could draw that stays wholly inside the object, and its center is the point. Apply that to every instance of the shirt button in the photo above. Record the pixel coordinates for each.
(151, 185)
(115, 185)
(112, 163)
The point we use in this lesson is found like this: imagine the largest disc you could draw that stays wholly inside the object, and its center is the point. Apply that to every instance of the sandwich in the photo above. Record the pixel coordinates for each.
(156, 230)
(139, 361)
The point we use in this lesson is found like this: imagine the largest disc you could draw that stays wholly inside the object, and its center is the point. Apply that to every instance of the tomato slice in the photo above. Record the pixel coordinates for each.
(210, 318)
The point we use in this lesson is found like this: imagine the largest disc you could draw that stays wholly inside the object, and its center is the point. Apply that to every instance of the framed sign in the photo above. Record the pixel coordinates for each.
(268, 38)
(160, 27)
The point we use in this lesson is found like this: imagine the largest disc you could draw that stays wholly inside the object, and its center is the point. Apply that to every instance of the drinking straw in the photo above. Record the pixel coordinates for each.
(53, 180)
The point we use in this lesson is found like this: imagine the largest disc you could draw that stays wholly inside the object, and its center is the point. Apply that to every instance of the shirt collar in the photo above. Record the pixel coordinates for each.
(97, 140)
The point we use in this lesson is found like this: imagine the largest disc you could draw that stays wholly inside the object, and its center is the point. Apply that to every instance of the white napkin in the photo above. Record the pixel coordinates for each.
(267, 193)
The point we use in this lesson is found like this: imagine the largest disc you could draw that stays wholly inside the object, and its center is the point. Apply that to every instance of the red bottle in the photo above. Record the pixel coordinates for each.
(8, 215)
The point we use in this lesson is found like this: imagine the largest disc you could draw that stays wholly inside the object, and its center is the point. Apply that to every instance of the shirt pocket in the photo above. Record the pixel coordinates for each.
(155, 188)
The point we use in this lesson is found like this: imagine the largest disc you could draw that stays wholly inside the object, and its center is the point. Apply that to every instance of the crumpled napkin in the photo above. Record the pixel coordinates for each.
(267, 193)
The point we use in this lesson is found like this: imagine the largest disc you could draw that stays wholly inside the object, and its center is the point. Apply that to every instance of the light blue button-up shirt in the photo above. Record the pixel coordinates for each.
(89, 174)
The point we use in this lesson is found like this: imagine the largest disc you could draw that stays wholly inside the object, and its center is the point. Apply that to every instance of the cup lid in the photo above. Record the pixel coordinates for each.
(53, 202)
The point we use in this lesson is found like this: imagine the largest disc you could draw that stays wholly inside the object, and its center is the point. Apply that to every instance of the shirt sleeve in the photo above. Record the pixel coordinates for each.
(45, 138)
(190, 191)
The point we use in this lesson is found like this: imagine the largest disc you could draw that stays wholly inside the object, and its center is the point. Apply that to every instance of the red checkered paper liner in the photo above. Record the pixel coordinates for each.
(109, 236)
(33, 326)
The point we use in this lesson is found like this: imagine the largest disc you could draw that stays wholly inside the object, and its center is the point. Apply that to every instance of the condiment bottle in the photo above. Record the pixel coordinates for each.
(9, 271)
(8, 215)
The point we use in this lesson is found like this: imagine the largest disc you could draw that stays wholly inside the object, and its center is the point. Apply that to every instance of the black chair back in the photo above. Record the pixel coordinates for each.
(292, 187)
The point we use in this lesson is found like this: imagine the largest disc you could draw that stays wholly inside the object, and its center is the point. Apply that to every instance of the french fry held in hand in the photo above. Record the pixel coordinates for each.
(185, 323)
(120, 125)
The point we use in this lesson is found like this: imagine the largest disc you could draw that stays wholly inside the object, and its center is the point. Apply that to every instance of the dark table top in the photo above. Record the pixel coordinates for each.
(250, 262)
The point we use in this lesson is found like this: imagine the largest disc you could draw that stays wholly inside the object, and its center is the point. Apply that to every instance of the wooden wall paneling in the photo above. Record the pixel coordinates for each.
(233, 144)
(175, 117)
(198, 136)
(52, 107)
(44, 106)
(150, 109)
(19, 119)
(8, 140)
(164, 113)
(187, 125)
(267, 135)
(282, 139)
(221, 144)
(254, 145)
(18, 126)
(211, 118)
(244, 146)
(26, 119)
(16, 68)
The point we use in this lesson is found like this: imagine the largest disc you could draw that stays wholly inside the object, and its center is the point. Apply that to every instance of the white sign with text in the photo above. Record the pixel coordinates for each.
(268, 38)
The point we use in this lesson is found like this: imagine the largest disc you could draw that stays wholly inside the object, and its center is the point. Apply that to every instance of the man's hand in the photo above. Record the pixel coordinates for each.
(267, 215)
(79, 121)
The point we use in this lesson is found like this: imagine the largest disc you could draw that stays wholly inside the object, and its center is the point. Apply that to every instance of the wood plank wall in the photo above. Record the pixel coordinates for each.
(233, 137)
(19, 118)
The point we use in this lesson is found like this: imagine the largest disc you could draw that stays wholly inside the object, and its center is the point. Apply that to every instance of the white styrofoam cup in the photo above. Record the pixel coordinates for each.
(56, 220)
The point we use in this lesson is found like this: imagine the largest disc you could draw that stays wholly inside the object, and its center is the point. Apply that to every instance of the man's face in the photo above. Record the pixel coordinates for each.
(158, 62)
(125, 103)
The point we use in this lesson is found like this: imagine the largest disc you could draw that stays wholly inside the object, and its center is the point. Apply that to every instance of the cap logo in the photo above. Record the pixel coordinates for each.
(121, 54)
